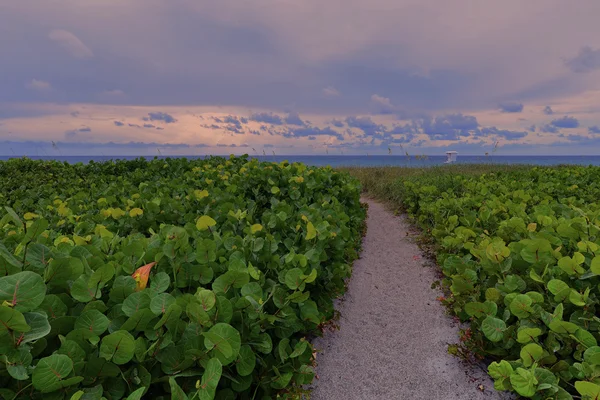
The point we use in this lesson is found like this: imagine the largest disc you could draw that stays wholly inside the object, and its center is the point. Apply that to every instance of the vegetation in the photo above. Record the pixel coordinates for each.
(169, 278)
(519, 249)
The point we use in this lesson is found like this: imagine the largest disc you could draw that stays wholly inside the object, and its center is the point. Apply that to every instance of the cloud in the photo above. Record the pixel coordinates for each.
(511, 107)
(294, 119)
(548, 110)
(586, 60)
(149, 126)
(366, 125)
(449, 127)
(313, 131)
(160, 116)
(548, 128)
(70, 43)
(531, 128)
(594, 130)
(504, 133)
(118, 123)
(565, 122)
(383, 104)
(74, 133)
(38, 85)
(268, 118)
(337, 123)
(330, 91)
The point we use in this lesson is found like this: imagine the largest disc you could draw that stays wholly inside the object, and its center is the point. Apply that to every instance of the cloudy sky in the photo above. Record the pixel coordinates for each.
(135, 77)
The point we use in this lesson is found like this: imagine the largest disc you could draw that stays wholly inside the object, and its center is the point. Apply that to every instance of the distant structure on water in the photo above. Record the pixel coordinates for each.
(451, 157)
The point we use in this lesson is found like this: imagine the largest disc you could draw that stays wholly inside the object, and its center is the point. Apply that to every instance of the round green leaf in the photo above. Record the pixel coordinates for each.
(11, 319)
(224, 341)
(93, 321)
(246, 361)
(39, 324)
(493, 328)
(161, 303)
(531, 353)
(118, 347)
(135, 302)
(210, 379)
(51, 372)
(524, 382)
(24, 291)
(205, 222)
(206, 298)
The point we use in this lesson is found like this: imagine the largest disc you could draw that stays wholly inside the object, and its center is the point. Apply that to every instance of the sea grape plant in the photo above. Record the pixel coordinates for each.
(520, 252)
(170, 278)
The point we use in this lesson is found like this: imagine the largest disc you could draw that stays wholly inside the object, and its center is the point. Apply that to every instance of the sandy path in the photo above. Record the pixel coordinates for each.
(392, 342)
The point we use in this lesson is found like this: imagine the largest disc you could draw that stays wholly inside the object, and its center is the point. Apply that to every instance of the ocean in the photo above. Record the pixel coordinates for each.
(367, 161)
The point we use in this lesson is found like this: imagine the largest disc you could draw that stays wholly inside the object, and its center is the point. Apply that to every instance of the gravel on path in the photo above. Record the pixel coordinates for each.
(394, 334)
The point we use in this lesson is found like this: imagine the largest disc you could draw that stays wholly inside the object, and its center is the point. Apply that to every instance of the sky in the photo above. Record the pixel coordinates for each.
(195, 77)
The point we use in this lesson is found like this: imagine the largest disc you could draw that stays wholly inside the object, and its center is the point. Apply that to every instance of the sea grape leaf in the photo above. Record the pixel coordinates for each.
(11, 319)
(39, 324)
(117, 347)
(524, 382)
(9, 257)
(51, 373)
(572, 265)
(17, 362)
(224, 341)
(559, 289)
(521, 306)
(527, 335)
(81, 291)
(493, 328)
(135, 302)
(94, 321)
(176, 392)
(294, 279)
(246, 361)
(161, 303)
(206, 298)
(62, 270)
(592, 355)
(501, 372)
(229, 279)
(589, 389)
(586, 338)
(205, 222)
(210, 379)
(311, 232)
(24, 291)
(136, 394)
(563, 327)
(531, 353)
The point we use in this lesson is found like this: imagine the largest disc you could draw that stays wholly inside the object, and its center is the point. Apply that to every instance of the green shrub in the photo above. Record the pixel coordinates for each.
(520, 251)
(169, 278)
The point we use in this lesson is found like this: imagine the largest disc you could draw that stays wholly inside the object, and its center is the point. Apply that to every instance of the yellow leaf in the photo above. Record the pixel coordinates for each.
(102, 231)
(141, 276)
(134, 212)
(30, 215)
(311, 231)
(117, 213)
(256, 228)
(200, 194)
(79, 241)
(205, 222)
(532, 227)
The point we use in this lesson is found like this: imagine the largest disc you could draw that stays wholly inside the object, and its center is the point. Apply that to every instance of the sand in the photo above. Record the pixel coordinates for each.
(394, 334)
